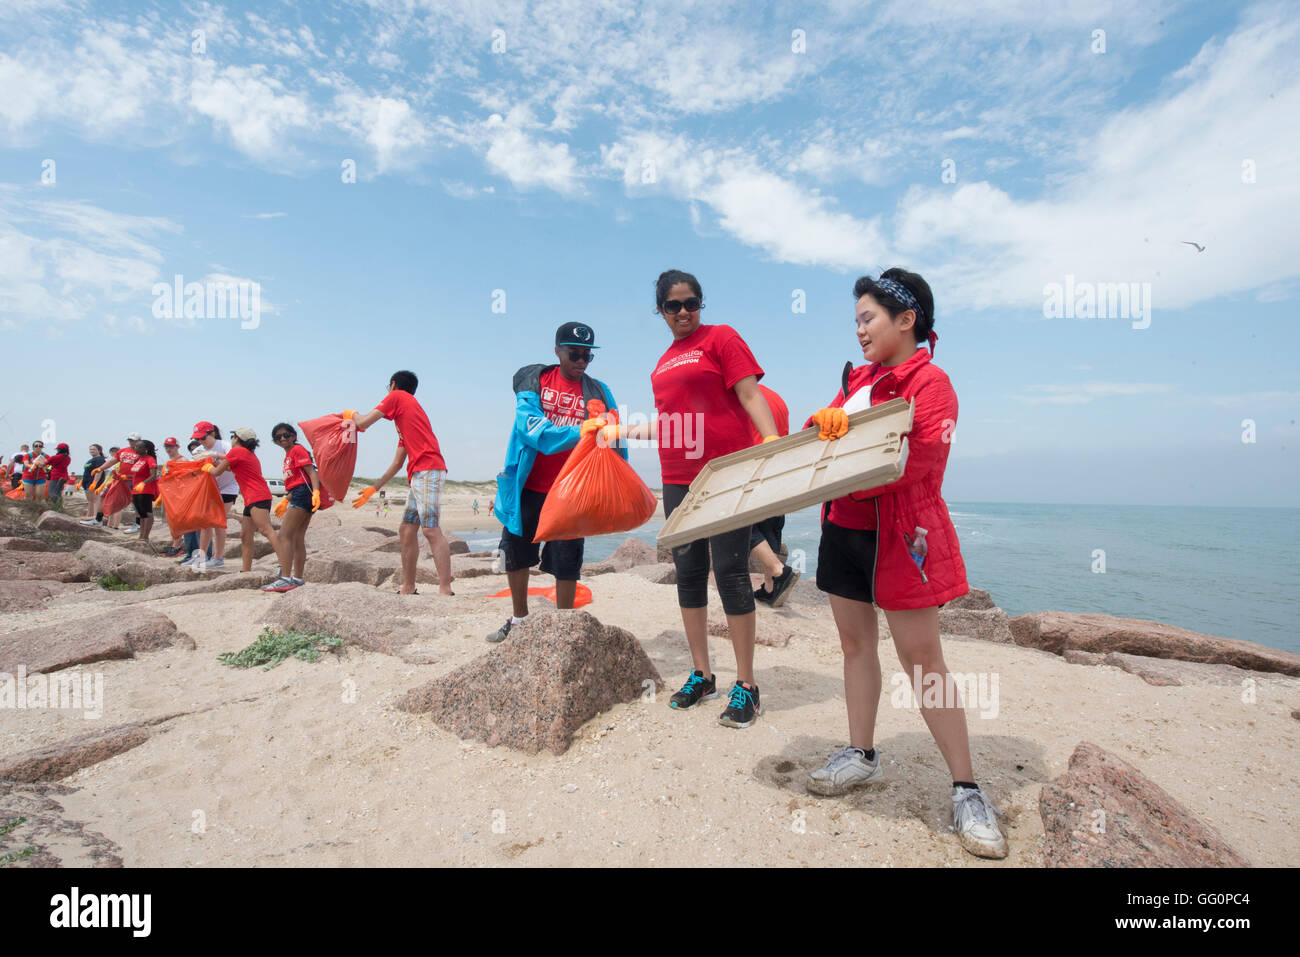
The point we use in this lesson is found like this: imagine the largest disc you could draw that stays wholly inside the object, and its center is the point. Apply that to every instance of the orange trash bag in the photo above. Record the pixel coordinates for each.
(333, 441)
(15, 493)
(581, 594)
(596, 493)
(190, 498)
(117, 497)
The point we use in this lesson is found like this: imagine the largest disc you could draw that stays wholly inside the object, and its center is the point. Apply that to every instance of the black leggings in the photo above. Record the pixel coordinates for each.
(730, 552)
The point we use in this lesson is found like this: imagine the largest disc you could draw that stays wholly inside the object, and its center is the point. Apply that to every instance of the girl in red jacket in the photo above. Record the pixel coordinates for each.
(895, 546)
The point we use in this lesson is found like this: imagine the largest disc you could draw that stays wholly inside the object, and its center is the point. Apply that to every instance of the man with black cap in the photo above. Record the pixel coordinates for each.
(551, 403)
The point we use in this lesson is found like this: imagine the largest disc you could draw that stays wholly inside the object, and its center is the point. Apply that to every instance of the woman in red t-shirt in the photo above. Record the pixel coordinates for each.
(301, 499)
(143, 477)
(244, 465)
(707, 399)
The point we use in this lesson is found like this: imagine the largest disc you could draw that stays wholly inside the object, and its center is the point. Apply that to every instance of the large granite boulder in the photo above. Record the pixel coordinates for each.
(58, 760)
(42, 566)
(28, 594)
(1103, 812)
(77, 641)
(359, 614)
(1058, 631)
(555, 671)
(631, 553)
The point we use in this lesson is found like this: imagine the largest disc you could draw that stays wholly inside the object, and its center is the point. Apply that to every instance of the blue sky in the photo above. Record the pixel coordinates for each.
(993, 147)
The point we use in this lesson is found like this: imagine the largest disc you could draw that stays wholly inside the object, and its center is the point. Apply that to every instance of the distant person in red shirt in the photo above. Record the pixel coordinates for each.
(425, 472)
(35, 471)
(301, 499)
(143, 477)
(244, 465)
(58, 463)
(765, 536)
(126, 457)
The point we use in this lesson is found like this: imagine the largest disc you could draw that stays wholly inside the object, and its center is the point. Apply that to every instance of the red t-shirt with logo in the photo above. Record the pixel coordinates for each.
(780, 414)
(414, 433)
(127, 458)
(693, 389)
(58, 464)
(563, 404)
(144, 464)
(294, 473)
(248, 473)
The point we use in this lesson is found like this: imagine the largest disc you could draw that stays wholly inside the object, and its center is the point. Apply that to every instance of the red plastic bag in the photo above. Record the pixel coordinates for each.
(16, 494)
(190, 498)
(596, 493)
(117, 497)
(333, 441)
(581, 594)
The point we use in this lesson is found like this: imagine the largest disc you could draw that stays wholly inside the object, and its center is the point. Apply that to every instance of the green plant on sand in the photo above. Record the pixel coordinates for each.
(27, 851)
(113, 583)
(273, 646)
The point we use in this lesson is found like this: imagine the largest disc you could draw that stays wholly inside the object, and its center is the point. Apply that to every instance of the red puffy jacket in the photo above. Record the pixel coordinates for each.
(915, 499)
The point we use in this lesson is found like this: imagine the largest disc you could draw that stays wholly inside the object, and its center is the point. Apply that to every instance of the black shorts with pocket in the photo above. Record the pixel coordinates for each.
(265, 503)
(229, 499)
(561, 559)
(143, 505)
(846, 560)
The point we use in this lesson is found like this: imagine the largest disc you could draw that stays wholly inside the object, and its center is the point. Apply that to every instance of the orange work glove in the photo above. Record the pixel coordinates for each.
(770, 438)
(281, 507)
(315, 499)
(364, 496)
(833, 423)
(610, 434)
(158, 500)
(591, 425)
(208, 467)
(138, 488)
(349, 413)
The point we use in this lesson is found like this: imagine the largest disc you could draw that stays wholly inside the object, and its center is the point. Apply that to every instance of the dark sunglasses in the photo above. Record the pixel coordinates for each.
(280, 436)
(674, 306)
(576, 355)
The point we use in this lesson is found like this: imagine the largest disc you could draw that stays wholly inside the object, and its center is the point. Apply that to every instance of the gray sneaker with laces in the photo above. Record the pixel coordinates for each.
(845, 770)
(975, 820)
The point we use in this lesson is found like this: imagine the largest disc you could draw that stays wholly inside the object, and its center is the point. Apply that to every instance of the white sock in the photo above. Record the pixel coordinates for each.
(515, 621)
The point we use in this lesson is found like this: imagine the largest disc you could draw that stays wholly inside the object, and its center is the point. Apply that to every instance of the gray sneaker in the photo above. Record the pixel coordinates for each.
(501, 633)
(845, 770)
(974, 818)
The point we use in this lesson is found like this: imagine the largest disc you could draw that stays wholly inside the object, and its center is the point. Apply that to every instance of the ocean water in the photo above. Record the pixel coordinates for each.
(1232, 572)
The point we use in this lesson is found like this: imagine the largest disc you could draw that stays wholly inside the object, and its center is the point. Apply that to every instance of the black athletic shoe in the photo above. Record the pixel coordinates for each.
(743, 707)
(781, 586)
(696, 689)
(763, 595)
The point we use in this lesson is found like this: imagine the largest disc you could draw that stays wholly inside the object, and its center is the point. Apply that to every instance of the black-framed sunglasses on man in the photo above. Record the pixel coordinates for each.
(581, 355)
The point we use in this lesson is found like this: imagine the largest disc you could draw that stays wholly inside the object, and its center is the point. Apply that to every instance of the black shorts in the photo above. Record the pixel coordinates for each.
(229, 499)
(300, 497)
(768, 530)
(265, 503)
(846, 562)
(561, 559)
(143, 505)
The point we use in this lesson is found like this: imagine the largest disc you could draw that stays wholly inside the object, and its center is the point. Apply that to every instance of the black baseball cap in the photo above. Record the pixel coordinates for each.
(575, 334)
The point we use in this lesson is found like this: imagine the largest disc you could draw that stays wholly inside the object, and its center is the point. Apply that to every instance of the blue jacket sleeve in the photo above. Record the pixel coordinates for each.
(538, 432)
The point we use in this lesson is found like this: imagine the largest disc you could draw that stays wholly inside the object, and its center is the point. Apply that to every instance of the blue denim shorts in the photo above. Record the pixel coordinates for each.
(300, 497)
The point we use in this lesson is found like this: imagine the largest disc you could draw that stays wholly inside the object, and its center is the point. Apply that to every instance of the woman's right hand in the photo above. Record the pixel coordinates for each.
(833, 423)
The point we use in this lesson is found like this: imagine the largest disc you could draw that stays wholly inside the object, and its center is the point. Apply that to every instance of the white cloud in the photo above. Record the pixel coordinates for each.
(1124, 215)
(388, 125)
(252, 106)
(526, 160)
(758, 207)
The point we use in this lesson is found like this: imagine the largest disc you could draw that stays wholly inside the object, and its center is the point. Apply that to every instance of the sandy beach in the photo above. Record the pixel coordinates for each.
(309, 763)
